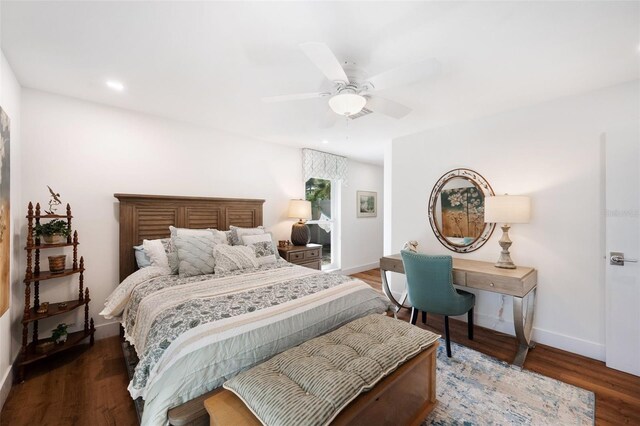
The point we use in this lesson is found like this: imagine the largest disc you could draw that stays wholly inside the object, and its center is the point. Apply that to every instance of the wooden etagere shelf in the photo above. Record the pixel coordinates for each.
(29, 352)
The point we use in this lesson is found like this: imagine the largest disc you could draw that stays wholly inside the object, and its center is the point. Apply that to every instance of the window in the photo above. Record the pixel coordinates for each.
(323, 224)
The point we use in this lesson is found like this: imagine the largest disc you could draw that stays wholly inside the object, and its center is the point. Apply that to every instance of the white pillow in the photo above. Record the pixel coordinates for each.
(238, 233)
(262, 246)
(229, 258)
(219, 236)
(117, 301)
(155, 250)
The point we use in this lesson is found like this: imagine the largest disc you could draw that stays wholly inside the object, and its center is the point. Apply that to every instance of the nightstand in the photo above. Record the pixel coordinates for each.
(309, 255)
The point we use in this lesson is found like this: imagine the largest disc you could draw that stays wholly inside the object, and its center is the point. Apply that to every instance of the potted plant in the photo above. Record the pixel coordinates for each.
(59, 334)
(54, 232)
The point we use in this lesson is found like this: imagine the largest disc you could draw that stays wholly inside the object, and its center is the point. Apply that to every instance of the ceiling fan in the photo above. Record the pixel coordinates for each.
(353, 96)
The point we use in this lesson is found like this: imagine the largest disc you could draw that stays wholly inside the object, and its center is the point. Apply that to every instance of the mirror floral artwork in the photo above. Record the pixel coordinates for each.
(456, 210)
(462, 213)
(5, 211)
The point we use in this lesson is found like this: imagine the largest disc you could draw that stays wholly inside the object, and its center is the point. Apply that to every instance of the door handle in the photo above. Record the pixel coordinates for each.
(618, 259)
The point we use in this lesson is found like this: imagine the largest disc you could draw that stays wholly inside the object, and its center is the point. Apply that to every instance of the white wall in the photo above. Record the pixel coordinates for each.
(362, 238)
(88, 152)
(551, 152)
(10, 102)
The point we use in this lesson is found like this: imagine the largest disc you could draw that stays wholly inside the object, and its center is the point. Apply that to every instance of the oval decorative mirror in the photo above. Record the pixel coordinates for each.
(456, 210)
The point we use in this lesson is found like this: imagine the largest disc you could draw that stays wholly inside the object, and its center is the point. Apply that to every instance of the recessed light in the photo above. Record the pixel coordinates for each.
(115, 85)
(325, 141)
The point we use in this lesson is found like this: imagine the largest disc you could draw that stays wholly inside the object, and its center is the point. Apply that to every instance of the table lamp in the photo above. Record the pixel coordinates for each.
(506, 209)
(301, 210)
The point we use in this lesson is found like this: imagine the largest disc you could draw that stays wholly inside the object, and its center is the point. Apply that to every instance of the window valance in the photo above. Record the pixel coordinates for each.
(322, 165)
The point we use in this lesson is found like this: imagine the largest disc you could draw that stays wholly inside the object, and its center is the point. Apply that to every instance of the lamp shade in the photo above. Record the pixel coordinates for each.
(300, 209)
(507, 209)
(347, 103)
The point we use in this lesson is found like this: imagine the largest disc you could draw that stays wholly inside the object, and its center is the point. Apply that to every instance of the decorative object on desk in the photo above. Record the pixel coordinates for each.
(507, 209)
(282, 243)
(57, 263)
(411, 246)
(367, 203)
(300, 209)
(55, 232)
(62, 305)
(59, 334)
(54, 201)
(5, 210)
(456, 210)
(44, 308)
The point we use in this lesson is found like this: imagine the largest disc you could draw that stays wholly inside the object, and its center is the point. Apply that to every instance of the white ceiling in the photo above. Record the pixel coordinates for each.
(210, 63)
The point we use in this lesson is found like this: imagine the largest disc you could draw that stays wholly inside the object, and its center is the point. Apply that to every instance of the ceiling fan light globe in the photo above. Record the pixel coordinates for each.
(347, 104)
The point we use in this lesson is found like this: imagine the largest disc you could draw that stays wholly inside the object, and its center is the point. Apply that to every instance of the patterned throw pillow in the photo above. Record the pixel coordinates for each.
(195, 253)
(172, 255)
(229, 258)
(237, 233)
(262, 246)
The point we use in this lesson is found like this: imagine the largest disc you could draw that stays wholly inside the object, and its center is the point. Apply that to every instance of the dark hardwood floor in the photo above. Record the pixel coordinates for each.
(90, 387)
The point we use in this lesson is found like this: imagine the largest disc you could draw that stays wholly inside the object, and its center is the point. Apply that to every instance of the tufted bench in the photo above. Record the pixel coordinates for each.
(374, 370)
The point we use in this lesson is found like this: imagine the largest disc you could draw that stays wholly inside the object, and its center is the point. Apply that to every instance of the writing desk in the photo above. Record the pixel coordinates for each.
(520, 283)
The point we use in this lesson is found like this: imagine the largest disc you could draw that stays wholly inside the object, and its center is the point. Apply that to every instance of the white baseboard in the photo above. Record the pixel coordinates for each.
(107, 330)
(554, 339)
(5, 388)
(361, 268)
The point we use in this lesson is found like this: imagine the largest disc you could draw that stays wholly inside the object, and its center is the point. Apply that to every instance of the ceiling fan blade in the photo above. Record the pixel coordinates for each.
(387, 107)
(296, 97)
(406, 74)
(323, 58)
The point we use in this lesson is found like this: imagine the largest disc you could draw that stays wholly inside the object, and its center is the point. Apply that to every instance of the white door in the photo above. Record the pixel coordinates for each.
(622, 294)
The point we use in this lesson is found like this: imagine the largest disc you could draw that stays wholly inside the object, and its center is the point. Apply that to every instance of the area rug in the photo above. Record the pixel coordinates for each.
(475, 389)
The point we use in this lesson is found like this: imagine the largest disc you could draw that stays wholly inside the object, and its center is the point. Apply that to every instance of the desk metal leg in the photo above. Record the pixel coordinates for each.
(387, 292)
(523, 322)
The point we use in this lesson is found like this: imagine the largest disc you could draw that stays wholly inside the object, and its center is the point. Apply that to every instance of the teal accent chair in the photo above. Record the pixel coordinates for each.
(430, 289)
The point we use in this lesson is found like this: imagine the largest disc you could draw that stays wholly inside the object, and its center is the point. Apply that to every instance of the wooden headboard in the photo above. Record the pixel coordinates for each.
(149, 217)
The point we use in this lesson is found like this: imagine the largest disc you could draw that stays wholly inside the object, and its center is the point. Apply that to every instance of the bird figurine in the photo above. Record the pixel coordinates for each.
(53, 202)
(411, 246)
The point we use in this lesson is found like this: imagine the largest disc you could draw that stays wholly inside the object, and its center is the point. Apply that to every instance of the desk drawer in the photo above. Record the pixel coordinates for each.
(460, 278)
(495, 283)
(316, 264)
(296, 256)
(312, 254)
(394, 265)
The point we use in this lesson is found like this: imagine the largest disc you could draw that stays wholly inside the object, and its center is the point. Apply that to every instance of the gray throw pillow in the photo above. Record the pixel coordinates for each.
(237, 233)
(195, 254)
(141, 257)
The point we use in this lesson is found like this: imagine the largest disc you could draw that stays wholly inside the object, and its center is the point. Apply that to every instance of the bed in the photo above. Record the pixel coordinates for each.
(192, 334)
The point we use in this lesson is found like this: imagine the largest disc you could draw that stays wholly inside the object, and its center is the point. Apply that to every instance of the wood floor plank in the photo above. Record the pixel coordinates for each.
(89, 386)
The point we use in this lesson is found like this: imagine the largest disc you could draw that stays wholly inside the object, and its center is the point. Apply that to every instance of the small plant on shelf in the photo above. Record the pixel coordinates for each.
(59, 334)
(54, 232)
